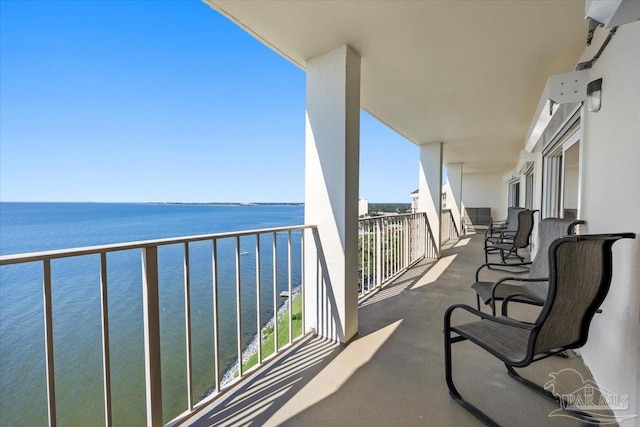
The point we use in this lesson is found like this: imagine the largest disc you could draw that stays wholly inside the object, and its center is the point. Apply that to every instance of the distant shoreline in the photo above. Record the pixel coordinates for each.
(226, 203)
(174, 203)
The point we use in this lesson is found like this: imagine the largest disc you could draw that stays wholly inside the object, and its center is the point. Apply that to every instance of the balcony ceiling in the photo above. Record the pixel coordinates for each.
(465, 73)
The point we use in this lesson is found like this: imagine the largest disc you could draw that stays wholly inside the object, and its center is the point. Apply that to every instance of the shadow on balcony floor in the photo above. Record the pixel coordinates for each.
(392, 373)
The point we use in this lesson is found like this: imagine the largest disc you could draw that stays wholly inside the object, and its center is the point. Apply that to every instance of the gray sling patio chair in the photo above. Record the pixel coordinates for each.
(531, 290)
(508, 226)
(580, 269)
(507, 244)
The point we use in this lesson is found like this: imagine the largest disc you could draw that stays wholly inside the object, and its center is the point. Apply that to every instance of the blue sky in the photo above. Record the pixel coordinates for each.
(139, 101)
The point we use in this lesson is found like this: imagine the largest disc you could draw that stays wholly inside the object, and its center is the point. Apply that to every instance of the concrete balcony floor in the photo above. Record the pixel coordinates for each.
(392, 373)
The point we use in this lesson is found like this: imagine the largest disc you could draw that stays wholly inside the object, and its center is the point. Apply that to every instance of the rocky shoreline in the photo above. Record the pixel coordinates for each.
(252, 348)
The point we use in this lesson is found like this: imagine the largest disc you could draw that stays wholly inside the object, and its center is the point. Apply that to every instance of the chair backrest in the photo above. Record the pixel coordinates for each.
(512, 219)
(549, 229)
(580, 275)
(525, 226)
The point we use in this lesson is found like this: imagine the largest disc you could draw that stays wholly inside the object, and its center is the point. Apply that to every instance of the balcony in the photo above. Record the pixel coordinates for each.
(460, 83)
(392, 372)
(207, 302)
(306, 379)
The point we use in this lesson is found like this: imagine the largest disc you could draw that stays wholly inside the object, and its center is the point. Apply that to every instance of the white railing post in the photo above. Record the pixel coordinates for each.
(48, 341)
(216, 317)
(187, 326)
(290, 290)
(238, 307)
(106, 361)
(302, 280)
(378, 253)
(405, 227)
(151, 309)
(258, 300)
(275, 292)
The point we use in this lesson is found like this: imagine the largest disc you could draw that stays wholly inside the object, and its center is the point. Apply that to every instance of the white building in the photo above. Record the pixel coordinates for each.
(415, 196)
(363, 207)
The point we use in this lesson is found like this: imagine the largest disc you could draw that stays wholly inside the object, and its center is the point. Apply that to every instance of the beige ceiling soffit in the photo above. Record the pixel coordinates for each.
(215, 6)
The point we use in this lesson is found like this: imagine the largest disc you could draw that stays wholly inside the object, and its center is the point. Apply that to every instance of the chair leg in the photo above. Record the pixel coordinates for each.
(486, 253)
(505, 310)
(518, 256)
(453, 392)
(588, 419)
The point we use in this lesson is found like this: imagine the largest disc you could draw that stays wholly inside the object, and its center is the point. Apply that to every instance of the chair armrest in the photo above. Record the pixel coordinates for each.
(491, 264)
(502, 319)
(525, 279)
(494, 226)
(509, 279)
(522, 297)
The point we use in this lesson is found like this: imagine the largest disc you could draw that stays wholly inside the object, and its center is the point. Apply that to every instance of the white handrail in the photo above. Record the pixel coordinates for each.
(89, 250)
(151, 311)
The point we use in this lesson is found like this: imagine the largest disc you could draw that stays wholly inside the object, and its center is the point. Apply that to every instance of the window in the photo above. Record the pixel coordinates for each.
(571, 174)
(562, 174)
(514, 194)
(528, 198)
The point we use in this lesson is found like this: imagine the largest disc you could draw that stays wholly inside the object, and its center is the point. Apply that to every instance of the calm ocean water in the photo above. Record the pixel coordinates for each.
(29, 227)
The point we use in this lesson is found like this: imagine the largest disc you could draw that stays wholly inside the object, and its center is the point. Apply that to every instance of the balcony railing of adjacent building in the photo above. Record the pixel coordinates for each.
(389, 245)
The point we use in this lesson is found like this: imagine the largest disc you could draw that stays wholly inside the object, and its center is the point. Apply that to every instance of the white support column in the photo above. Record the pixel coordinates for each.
(454, 177)
(332, 154)
(536, 202)
(430, 199)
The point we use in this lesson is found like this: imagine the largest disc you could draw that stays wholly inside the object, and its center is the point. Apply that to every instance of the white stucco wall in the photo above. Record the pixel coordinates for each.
(611, 203)
(483, 190)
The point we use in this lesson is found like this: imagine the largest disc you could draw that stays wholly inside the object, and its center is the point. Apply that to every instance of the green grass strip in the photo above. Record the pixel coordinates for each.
(283, 333)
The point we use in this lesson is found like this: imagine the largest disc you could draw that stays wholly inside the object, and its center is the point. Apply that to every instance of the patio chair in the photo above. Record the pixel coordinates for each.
(531, 290)
(509, 225)
(507, 244)
(580, 270)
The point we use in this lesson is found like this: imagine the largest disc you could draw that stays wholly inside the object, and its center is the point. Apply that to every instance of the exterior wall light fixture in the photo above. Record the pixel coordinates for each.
(594, 95)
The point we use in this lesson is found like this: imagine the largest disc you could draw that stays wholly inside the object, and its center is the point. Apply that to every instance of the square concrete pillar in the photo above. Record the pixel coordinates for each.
(332, 144)
(454, 180)
(430, 199)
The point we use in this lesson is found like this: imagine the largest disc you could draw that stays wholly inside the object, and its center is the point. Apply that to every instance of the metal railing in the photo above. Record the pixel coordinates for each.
(248, 274)
(277, 238)
(389, 245)
(448, 228)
